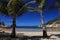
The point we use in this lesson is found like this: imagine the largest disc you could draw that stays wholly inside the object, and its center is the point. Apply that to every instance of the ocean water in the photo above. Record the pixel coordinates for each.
(28, 29)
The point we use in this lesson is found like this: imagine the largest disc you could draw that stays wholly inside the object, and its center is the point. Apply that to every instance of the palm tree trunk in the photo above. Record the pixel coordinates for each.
(14, 25)
(43, 25)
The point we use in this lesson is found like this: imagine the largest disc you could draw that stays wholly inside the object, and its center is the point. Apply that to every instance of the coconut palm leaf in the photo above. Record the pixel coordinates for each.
(3, 6)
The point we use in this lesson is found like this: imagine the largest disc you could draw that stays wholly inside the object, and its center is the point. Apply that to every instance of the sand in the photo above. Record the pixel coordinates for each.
(31, 33)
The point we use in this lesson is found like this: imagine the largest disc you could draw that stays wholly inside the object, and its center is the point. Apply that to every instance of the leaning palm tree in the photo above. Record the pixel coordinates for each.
(41, 4)
(14, 8)
(41, 7)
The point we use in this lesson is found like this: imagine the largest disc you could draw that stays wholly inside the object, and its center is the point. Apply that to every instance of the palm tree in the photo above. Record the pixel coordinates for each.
(41, 4)
(14, 8)
(11, 8)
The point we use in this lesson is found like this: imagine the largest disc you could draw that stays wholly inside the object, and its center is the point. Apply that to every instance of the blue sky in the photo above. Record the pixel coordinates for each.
(32, 18)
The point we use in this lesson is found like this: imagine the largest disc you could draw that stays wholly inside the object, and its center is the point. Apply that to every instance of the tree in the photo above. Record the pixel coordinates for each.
(41, 4)
(14, 8)
(10, 9)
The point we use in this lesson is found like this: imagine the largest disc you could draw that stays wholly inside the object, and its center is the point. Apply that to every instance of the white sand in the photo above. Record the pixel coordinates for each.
(31, 33)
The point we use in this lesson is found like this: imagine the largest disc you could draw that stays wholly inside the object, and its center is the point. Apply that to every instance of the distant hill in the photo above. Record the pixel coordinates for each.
(52, 21)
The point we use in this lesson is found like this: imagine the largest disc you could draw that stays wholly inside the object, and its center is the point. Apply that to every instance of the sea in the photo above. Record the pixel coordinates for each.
(28, 28)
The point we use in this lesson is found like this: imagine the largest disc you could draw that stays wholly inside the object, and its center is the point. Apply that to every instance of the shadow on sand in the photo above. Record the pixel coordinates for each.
(7, 36)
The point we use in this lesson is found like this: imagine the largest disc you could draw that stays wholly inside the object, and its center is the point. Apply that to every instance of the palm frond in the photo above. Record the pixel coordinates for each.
(14, 6)
(3, 7)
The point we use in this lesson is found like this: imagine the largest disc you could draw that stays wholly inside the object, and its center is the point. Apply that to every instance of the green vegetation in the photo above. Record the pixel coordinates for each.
(3, 7)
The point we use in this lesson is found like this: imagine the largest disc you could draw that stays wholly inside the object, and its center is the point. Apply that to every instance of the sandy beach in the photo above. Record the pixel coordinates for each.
(31, 33)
